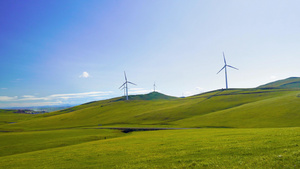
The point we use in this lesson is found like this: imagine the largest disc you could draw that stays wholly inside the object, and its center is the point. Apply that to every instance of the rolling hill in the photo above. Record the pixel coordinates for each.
(233, 108)
(245, 128)
(289, 83)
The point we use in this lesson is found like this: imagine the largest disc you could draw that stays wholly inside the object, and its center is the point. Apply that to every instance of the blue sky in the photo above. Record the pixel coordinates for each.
(74, 51)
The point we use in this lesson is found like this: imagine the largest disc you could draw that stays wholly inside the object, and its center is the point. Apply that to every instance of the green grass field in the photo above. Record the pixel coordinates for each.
(236, 128)
(198, 148)
(22, 142)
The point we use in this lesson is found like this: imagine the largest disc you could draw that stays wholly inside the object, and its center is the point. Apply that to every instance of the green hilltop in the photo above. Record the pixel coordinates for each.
(149, 96)
(233, 108)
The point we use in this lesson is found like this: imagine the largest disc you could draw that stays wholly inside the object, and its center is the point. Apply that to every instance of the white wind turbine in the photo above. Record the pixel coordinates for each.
(126, 86)
(225, 67)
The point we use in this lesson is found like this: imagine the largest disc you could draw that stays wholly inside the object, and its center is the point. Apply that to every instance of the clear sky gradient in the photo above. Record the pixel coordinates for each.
(74, 51)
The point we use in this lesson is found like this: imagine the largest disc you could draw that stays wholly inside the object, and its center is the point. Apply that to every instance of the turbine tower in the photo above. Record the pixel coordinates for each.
(154, 86)
(123, 88)
(126, 85)
(225, 67)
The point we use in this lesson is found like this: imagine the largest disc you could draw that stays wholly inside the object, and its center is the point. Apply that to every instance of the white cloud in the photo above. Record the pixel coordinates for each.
(79, 95)
(3, 88)
(28, 96)
(84, 75)
(55, 99)
(7, 98)
(26, 104)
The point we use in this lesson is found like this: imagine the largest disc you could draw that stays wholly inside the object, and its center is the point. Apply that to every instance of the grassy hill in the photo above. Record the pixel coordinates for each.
(240, 128)
(221, 108)
(289, 83)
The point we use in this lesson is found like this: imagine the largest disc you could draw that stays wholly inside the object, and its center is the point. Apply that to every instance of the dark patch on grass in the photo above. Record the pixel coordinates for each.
(218, 127)
(129, 130)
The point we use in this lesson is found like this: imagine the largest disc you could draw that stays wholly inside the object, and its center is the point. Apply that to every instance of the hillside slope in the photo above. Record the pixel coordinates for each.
(289, 83)
(281, 111)
(221, 108)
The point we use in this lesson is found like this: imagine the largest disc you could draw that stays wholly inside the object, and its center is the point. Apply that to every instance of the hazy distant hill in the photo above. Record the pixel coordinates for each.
(289, 83)
(43, 108)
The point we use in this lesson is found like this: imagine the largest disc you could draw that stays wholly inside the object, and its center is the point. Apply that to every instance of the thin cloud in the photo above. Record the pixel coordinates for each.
(16, 80)
(3, 88)
(28, 96)
(79, 95)
(56, 96)
(7, 98)
(26, 104)
(84, 75)
(55, 99)
(32, 98)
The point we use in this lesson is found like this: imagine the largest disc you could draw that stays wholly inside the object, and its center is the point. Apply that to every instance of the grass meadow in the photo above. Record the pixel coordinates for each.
(192, 148)
(236, 128)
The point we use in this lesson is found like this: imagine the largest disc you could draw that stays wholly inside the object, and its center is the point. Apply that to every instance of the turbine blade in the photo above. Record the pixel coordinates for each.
(224, 58)
(232, 67)
(221, 69)
(132, 83)
(125, 76)
(122, 85)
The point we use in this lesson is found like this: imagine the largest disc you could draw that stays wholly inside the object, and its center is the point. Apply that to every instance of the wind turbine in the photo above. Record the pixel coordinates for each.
(154, 86)
(126, 85)
(225, 67)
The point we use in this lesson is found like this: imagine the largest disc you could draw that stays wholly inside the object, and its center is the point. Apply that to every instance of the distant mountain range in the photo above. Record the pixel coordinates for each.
(44, 108)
